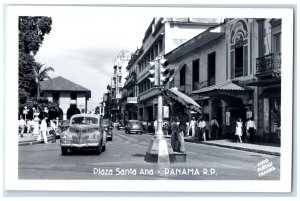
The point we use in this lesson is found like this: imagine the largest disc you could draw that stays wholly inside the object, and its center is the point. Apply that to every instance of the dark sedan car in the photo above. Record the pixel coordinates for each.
(134, 126)
(107, 125)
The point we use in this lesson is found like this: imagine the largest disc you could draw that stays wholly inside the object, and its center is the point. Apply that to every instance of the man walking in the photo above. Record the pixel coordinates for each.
(22, 125)
(214, 127)
(251, 128)
(193, 126)
(202, 126)
(43, 130)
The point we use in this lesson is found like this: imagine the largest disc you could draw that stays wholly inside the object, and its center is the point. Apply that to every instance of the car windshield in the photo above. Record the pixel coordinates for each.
(135, 123)
(105, 122)
(84, 120)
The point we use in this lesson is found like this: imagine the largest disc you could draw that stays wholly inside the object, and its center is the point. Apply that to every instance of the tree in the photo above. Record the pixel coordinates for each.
(41, 74)
(31, 35)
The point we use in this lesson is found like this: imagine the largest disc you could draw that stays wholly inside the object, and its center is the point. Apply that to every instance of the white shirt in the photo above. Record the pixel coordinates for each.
(193, 123)
(202, 124)
(22, 122)
(52, 124)
(43, 125)
(214, 122)
(251, 124)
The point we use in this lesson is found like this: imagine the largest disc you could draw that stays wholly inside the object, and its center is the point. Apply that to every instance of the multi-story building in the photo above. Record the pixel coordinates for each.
(161, 37)
(71, 97)
(117, 82)
(233, 70)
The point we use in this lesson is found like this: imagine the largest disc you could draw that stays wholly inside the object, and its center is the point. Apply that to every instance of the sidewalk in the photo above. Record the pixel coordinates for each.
(29, 139)
(263, 148)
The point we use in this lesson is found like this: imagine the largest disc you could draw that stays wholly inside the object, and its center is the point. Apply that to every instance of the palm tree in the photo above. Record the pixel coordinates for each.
(41, 74)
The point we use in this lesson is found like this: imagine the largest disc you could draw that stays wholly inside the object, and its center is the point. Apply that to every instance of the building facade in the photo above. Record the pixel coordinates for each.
(161, 37)
(233, 70)
(71, 97)
(117, 83)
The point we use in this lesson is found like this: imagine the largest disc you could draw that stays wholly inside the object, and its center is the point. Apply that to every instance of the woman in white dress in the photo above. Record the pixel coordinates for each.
(239, 130)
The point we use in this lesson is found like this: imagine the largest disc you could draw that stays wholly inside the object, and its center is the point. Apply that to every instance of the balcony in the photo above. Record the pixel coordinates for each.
(268, 66)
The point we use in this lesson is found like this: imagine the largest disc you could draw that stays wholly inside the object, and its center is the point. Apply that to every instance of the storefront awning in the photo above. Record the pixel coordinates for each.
(226, 88)
(184, 99)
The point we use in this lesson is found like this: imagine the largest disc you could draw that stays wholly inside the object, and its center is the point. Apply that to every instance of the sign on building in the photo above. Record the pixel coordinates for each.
(227, 118)
(131, 99)
(165, 111)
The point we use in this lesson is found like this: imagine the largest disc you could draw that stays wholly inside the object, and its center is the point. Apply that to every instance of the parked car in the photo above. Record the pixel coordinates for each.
(133, 126)
(107, 125)
(85, 132)
(63, 125)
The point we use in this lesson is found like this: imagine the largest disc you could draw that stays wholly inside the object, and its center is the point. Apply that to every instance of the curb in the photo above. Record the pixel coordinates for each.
(237, 148)
(32, 142)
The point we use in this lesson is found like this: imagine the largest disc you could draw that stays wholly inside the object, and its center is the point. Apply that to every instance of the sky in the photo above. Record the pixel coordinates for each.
(84, 42)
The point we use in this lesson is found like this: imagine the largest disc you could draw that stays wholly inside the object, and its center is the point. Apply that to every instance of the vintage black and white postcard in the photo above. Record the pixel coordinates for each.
(148, 98)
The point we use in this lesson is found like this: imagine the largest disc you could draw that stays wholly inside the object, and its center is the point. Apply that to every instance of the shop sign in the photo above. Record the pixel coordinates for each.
(131, 99)
(165, 111)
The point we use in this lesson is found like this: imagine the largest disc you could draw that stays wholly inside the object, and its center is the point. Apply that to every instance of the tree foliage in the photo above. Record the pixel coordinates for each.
(32, 31)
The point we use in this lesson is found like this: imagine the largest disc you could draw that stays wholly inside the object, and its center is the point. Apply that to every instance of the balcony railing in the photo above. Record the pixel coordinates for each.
(269, 65)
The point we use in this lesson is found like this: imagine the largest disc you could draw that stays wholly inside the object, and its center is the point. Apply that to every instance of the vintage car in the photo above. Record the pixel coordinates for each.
(62, 126)
(84, 132)
(106, 124)
(134, 126)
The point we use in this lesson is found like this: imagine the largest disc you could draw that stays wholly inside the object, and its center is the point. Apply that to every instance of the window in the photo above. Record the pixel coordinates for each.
(182, 76)
(238, 71)
(211, 69)
(195, 74)
(277, 43)
(55, 96)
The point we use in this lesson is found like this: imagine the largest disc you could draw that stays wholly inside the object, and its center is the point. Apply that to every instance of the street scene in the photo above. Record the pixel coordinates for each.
(124, 159)
(199, 99)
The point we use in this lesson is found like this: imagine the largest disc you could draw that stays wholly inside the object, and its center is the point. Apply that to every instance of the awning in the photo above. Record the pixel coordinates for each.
(183, 99)
(226, 88)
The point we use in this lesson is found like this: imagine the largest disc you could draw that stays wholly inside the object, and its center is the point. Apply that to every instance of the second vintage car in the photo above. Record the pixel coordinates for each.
(133, 126)
(107, 125)
(84, 132)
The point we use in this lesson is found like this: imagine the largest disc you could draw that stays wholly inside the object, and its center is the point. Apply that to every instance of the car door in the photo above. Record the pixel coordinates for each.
(103, 133)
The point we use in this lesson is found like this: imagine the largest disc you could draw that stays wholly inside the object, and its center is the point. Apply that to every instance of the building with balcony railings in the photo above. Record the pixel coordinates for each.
(234, 70)
(71, 97)
(161, 37)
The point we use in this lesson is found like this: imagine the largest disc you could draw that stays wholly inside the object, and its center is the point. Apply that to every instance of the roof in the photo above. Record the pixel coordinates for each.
(225, 87)
(62, 84)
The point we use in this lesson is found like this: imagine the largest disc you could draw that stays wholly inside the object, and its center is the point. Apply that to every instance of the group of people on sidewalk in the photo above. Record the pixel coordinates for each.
(198, 128)
(42, 128)
(199, 131)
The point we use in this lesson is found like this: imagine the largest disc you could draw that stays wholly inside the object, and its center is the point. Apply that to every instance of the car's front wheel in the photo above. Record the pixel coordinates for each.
(64, 151)
(98, 149)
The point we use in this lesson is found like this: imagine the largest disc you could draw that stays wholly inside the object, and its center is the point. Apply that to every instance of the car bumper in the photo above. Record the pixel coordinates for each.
(135, 130)
(83, 145)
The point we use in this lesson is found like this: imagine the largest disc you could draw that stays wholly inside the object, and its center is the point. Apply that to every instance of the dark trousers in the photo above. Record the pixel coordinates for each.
(214, 130)
(53, 136)
(252, 134)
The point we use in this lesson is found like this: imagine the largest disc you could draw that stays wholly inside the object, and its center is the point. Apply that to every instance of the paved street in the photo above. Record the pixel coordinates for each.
(124, 159)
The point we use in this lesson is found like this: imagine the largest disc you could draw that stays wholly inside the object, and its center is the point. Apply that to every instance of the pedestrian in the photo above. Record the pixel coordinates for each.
(251, 129)
(187, 131)
(193, 124)
(43, 130)
(202, 126)
(181, 134)
(22, 125)
(53, 130)
(174, 135)
(29, 126)
(247, 136)
(214, 127)
(239, 130)
(155, 126)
